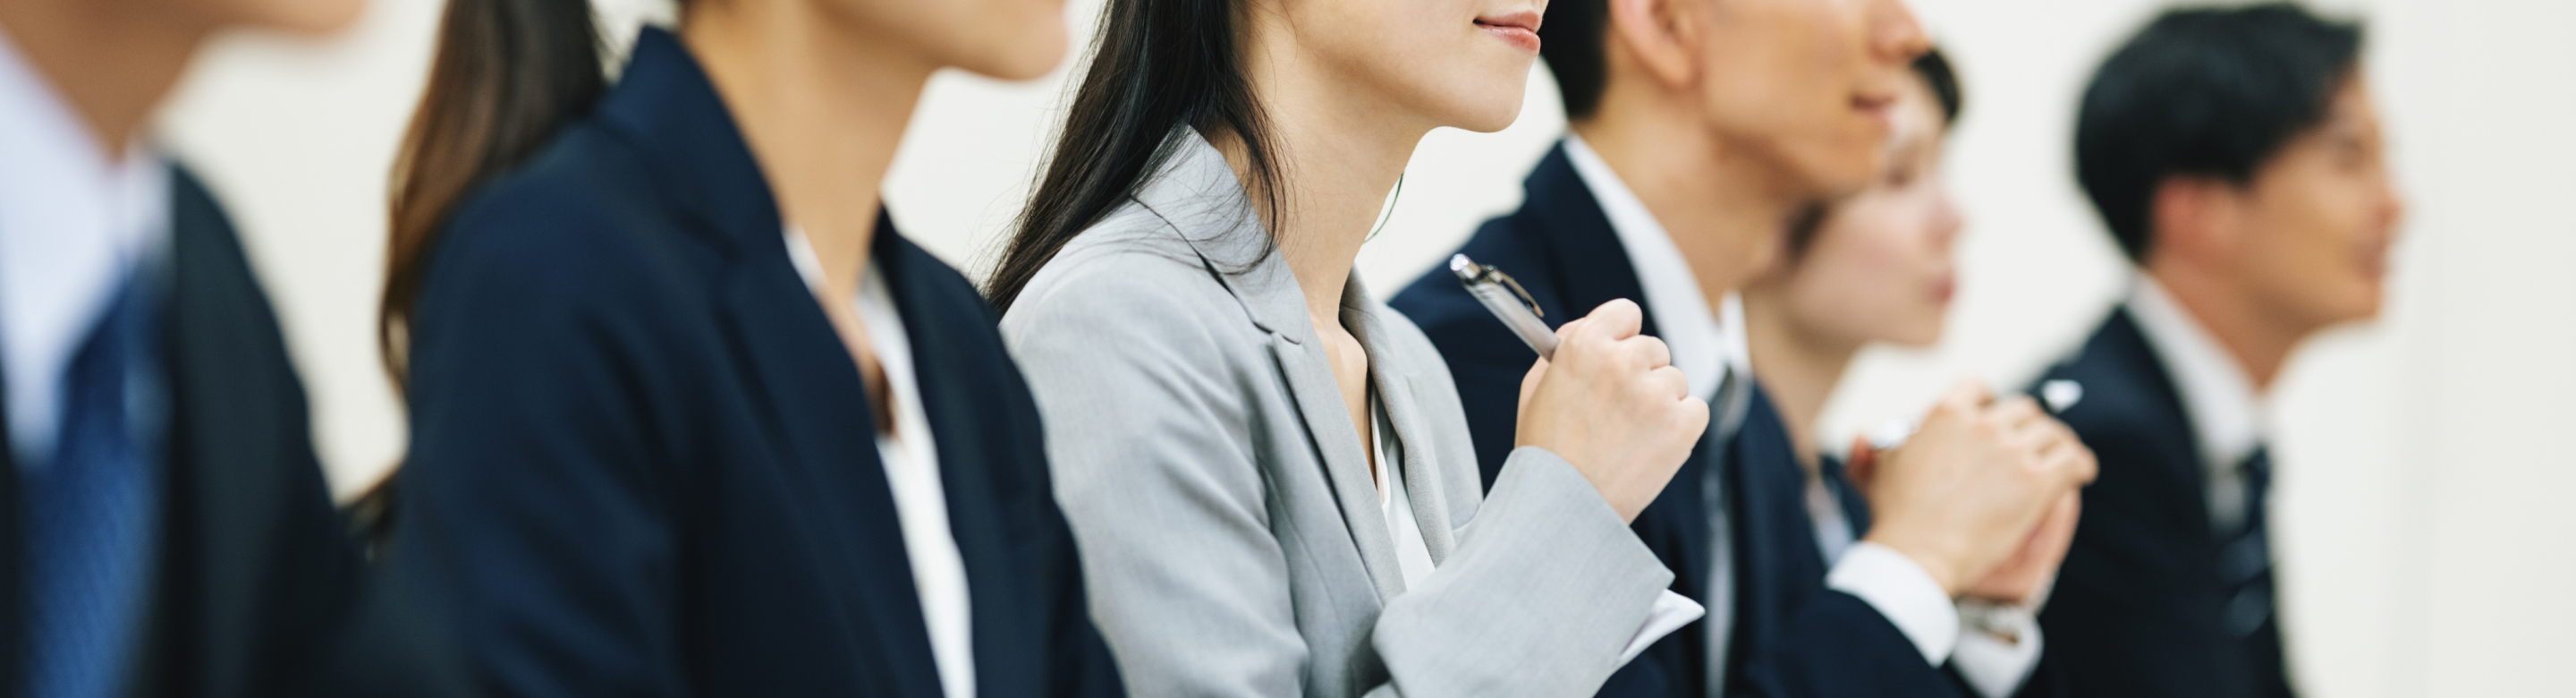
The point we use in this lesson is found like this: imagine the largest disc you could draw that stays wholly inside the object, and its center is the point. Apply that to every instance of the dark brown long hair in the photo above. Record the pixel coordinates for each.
(508, 73)
(1160, 66)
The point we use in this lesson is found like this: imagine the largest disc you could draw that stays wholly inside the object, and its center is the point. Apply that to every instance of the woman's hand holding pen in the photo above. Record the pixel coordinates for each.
(1612, 404)
(1970, 488)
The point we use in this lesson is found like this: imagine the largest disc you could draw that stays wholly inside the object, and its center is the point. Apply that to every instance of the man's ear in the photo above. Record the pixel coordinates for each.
(1657, 36)
(2196, 219)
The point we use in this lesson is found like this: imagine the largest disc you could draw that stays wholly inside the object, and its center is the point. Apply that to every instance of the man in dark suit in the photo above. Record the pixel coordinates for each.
(164, 526)
(1687, 156)
(2235, 157)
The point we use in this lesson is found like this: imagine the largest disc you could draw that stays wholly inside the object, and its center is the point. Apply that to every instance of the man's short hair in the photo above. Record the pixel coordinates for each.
(2212, 92)
(1574, 38)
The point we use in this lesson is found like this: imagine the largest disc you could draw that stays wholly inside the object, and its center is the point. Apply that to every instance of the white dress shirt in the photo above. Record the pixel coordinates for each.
(75, 223)
(911, 461)
(1705, 345)
(2226, 412)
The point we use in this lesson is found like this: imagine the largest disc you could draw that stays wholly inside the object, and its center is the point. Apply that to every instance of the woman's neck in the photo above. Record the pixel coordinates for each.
(823, 110)
(823, 107)
(1337, 155)
(1798, 367)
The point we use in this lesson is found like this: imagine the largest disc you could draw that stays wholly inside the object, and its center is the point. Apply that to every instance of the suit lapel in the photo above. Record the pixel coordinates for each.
(1197, 193)
(1591, 265)
(1319, 401)
(811, 401)
(252, 554)
(975, 444)
(2123, 343)
(1396, 388)
(1773, 534)
(13, 622)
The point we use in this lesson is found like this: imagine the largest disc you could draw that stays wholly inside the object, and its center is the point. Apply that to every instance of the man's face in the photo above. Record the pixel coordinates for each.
(2318, 220)
(1807, 87)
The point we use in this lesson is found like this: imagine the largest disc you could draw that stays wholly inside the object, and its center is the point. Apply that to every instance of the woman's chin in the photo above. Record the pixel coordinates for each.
(1490, 114)
(1027, 59)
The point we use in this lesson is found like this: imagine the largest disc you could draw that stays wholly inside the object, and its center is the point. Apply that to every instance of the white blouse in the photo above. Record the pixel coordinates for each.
(1412, 554)
(911, 461)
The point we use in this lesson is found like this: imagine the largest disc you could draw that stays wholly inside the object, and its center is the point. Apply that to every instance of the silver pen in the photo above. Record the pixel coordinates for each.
(1508, 301)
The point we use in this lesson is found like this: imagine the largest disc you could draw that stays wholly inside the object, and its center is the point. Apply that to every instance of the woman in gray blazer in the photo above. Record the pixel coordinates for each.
(1267, 470)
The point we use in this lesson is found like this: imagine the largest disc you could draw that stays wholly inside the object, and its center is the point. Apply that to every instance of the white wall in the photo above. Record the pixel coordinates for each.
(2421, 467)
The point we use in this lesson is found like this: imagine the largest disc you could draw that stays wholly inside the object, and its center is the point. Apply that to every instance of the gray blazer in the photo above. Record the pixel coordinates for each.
(1223, 504)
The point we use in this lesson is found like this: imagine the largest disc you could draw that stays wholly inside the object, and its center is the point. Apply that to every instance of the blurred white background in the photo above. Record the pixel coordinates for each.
(2423, 458)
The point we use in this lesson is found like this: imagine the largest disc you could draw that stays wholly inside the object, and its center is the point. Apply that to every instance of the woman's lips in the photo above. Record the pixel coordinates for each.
(1520, 29)
(1877, 107)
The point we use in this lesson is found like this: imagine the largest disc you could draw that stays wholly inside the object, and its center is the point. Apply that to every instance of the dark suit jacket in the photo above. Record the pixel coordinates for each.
(2139, 606)
(1792, 635)
(642, 460)
(256, 573)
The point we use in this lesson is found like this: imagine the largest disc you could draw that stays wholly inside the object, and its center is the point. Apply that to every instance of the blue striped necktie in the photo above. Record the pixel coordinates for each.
(93, 508)
(2245, 557)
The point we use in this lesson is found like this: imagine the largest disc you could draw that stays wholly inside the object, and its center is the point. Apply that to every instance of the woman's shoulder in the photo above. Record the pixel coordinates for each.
(576, 229)
(1132, 260)
(582, 191)
(1131, 285)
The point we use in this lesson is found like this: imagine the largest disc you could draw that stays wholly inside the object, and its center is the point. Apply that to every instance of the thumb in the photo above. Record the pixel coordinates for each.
(1529, 383)
(1863, 467)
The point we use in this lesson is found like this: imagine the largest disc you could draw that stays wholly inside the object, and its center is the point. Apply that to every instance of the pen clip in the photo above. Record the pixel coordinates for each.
(1474, 273)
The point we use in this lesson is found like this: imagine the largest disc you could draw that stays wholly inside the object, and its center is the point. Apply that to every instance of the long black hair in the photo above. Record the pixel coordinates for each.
(1160, 66)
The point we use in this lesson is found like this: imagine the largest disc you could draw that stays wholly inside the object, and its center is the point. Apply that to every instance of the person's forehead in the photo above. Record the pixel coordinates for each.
(2351, 106)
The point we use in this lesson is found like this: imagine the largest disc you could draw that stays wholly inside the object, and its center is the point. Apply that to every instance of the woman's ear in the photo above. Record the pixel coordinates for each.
(1658, 37)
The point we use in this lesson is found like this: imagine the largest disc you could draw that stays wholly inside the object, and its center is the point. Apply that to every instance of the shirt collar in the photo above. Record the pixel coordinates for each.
(1704, 343)
(2226, 412)
(74, 220)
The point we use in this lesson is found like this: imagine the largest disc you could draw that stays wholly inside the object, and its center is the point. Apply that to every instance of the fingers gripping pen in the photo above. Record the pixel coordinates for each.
(1509, 303)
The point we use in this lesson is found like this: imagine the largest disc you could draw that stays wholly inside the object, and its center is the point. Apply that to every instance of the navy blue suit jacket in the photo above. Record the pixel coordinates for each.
(2139, 607)
(642, 460)
(256, 575)
(1793, 636)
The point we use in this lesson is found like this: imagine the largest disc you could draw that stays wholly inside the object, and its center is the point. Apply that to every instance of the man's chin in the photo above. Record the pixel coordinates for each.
(1841, 179)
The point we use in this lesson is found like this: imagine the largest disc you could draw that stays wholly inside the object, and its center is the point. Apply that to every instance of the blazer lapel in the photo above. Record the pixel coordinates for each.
(1197, 191)
(953, 362)
(1396, 388)
(13, 622)
(1319, 400)
(1590, 263)
(811, 400)
(1589, 266)
(2123, 343)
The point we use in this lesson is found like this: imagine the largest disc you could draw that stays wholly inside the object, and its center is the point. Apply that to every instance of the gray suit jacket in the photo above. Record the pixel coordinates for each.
(1223, 504)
